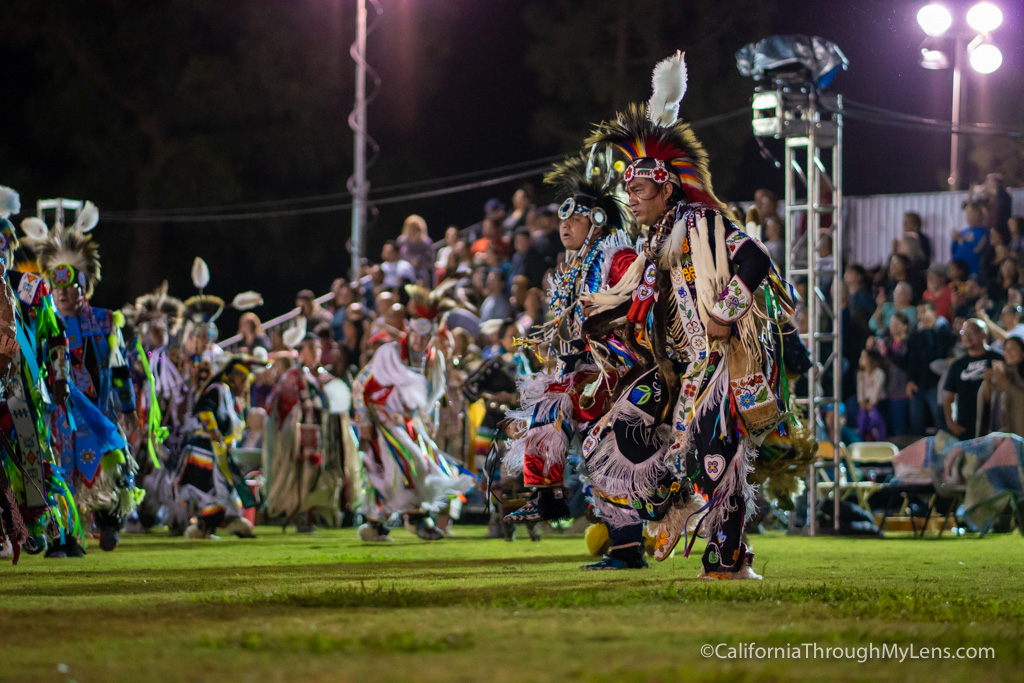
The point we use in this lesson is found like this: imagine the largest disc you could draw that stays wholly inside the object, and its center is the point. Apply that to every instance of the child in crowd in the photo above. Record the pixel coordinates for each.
(939, 293)
(896, 348)
(970, 243)
(870, 389)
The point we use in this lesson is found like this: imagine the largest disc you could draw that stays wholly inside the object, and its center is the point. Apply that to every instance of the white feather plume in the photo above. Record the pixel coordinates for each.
(35, 229)
(293, 336)
(247, 301)
(88, 218)
(10, 202)
(669, 85)
(200, 273)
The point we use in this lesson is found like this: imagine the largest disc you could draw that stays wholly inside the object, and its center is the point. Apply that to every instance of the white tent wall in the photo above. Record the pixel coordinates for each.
(873, 222)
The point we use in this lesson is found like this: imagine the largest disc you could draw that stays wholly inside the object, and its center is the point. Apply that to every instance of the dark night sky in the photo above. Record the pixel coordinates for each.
(471, 106)
(488, 95)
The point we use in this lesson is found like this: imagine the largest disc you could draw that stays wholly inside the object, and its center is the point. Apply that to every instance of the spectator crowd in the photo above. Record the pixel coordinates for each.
(926, 346)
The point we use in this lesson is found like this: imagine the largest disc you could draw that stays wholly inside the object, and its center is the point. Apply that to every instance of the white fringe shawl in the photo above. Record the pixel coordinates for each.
(548, 441)
(614, 473)
(615, 516)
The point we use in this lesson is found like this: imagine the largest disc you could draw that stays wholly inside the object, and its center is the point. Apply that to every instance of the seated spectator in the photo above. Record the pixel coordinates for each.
(902, 302)
(930, 342)
(383, 302)
(1003, 389)
(998, 201)
(939, 293)
(917, 264)
(491, 237)
(251, 330)
(1010, 324)
(964, 380)
(344, 296)
(995, 255)
(494, 210)
(442, 267)
(533, 311)
(899, 270)
(415, 247)
(396, 270)
(519, 287)
(545, 246)
(775, 241)
(912, 225)
(1007, 278)
(847, 434)
(354, 338)
(967, 302)
(870, 390)
(520, 249)
(957, 273)
(311, 310)
(1016, 230)
(970, 243)
(522, 202)
(496, 305)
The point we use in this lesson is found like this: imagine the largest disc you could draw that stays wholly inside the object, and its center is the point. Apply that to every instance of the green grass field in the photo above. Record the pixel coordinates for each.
(327, 607)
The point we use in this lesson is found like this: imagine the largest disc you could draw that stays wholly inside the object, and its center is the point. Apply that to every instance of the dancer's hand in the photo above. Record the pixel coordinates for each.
(717, 331)
(60, 391)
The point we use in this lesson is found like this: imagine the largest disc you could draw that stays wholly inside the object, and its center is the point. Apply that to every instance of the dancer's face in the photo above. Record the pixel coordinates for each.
(68, 300)
(573, 231)
(647, 199)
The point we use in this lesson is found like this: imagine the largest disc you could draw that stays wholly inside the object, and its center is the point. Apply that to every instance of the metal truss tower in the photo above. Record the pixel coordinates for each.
(810, 123)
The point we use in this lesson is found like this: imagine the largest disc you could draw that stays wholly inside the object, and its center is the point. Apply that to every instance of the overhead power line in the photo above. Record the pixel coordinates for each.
(245, 211)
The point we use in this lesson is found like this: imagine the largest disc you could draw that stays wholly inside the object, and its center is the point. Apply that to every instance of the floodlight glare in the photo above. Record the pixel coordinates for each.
(934, 19)
(984, 17)
(986, 58)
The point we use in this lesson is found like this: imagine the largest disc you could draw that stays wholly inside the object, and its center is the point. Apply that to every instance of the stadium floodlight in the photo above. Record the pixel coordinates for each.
(986, 58)
(934, 19)
(984, 18)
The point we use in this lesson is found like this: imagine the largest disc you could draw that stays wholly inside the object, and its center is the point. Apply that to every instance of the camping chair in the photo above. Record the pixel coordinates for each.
(824, 468)
(868, 453)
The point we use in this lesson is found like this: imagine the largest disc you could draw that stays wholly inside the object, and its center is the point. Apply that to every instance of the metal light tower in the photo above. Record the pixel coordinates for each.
(810, 122)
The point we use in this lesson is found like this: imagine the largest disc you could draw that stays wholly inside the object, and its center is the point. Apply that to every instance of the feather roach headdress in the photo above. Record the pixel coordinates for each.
(587, 182)
(68, 255)
(202, 311)
(158, 305)
(429, 304)
(659, 146)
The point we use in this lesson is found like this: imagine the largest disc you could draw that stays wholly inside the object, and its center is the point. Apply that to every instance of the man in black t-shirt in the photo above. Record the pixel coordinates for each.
(965, 377)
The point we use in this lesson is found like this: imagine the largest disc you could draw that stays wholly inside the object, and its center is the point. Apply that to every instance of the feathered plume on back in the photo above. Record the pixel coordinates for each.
(669, 85)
